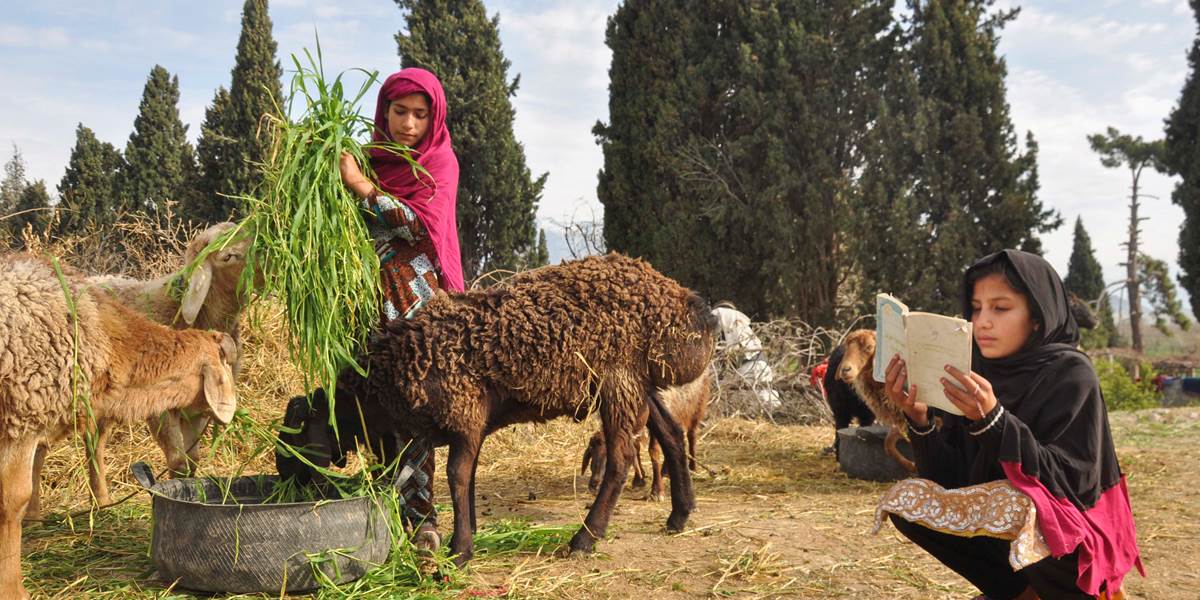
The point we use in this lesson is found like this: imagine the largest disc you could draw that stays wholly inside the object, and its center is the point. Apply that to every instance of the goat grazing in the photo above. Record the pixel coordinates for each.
(601, 333)
(66, 346)
(209, 300)
(688, 404)
(855, 370)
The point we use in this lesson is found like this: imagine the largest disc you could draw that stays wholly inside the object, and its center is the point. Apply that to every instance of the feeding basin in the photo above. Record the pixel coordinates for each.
(228, 535)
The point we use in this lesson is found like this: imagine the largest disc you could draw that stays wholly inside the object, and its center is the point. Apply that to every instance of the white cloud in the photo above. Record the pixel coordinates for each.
(33, 37)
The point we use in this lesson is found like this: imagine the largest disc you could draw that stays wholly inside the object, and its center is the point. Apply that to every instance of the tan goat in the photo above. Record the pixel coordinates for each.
(123, 366)
(856, 369)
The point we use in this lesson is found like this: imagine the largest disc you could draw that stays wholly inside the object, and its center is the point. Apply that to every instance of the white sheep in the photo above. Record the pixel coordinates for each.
(208, 300)
(65, 350)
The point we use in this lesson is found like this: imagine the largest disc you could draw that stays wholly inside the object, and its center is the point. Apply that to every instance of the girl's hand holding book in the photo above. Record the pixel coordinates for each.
(897, 375)
(978, 399)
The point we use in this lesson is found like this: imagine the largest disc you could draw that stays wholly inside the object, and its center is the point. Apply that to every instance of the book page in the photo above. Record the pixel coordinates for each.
(889, 333)
(933, 342)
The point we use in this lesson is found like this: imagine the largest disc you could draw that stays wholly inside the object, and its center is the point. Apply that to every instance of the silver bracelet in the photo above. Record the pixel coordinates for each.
(991, 423)
(912, 428)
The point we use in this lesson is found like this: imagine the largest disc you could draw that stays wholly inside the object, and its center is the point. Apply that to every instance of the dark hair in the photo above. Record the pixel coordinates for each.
(1005, 269)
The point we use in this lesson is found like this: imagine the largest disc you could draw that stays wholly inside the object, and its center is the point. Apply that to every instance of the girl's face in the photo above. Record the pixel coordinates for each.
(408, 119)
(1000, 316)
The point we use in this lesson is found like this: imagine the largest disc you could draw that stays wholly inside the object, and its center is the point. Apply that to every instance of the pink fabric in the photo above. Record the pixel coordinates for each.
(432, 197)
(1104, 534)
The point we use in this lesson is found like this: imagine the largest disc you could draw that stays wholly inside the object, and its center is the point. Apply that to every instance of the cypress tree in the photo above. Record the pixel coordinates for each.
(1182, 158)
(497, 196)
(976, 193)
(30, 210)
(13, 183)
(88, 192)
(734, 131)
(159, 165)
(217, 159)
(1085, 279)
(231, 147)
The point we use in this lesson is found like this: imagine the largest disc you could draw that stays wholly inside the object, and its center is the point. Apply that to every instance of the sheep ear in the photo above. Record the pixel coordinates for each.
(218, 392)
(196, 292)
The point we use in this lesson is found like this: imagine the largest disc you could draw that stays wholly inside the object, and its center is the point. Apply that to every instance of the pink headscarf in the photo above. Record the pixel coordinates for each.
(433, 198)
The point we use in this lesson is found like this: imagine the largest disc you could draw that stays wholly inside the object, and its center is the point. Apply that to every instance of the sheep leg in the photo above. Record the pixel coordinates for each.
(459, 469)
(889, 446)
(16, 487)
(616, 469)
(639, 474)
(474, 468)
(33, 511)
(97, 467)
(670, 437)
(656, 471)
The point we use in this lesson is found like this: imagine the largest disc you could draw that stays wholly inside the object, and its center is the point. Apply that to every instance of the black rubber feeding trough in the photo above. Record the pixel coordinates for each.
(215, 535)
(861, 454)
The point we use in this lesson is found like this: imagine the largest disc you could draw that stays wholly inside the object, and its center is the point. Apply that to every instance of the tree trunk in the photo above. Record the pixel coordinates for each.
(1131, 271)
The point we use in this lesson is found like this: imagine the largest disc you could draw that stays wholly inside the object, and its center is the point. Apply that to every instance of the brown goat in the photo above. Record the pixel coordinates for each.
(61, 356)
(603, 333)
(858, 364)
(687, 404)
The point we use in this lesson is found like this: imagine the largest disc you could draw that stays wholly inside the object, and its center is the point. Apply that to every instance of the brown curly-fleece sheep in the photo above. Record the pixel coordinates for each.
(210, 299)
(126, 367)
(856, 369)
(687, 404)
(602, 334)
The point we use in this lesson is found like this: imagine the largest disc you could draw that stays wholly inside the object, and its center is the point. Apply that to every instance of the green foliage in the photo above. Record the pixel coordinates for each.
(974, 192)
(30, 210)
(233, 144)
(1084, 276)
(734, 132)
(1182, 158)
(1120, 391)
(159, 163)
(88, 190)
(1160, 293)
(497, 197)
(13, 183)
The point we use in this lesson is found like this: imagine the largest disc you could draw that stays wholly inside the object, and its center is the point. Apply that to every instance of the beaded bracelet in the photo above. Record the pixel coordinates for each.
(991, 423)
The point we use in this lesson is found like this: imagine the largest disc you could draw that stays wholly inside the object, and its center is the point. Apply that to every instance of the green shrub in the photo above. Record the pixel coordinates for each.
(1120, 391)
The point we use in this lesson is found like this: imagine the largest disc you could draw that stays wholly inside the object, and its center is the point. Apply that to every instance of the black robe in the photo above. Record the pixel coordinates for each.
(1051, 440)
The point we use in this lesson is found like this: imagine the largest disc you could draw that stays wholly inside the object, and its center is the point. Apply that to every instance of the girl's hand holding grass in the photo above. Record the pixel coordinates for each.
(353, 176)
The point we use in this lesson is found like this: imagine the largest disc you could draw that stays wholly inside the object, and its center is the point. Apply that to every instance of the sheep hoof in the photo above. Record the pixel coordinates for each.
(676, 523)
(581, 543)
(638, 482)
(655, 496)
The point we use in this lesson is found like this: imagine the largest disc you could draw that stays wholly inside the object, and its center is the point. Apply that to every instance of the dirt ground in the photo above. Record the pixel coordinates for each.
(775, 518)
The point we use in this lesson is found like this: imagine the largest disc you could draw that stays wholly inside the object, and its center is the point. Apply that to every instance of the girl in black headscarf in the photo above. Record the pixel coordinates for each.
(1033, 415)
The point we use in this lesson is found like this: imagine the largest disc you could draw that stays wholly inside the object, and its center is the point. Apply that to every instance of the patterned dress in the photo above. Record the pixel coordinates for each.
(409, 277)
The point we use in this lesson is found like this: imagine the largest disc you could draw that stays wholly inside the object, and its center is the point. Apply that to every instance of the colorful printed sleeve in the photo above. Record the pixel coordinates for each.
(396, 215)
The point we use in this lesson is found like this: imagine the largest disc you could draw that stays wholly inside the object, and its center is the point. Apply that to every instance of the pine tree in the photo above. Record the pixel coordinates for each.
(1182, 158)
(231, 146)
(88, 192)
(977, 194)
(13, 183)
(542, 257)
(1122, 150)
(497, 197)
(158, 164)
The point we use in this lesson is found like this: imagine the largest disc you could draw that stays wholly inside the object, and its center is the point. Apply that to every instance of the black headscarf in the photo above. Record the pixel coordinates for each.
(1055, 425)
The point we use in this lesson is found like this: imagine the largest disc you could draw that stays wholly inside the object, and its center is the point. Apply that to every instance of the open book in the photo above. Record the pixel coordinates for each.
(927, 342)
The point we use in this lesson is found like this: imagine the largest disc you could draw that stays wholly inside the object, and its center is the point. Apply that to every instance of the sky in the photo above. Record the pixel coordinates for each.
(1075, 67)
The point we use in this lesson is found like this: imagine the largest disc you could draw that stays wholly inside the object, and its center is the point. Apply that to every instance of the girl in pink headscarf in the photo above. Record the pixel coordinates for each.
(415, 230)
(414, 225)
